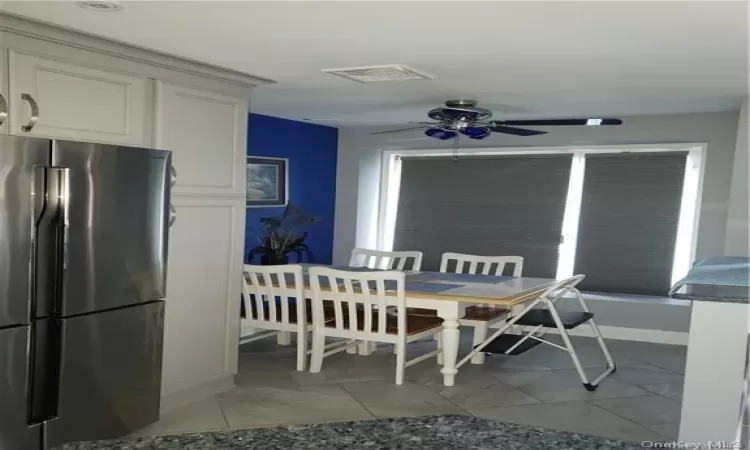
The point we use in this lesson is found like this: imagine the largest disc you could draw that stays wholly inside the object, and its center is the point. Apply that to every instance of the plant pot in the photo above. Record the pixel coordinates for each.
(273, 260)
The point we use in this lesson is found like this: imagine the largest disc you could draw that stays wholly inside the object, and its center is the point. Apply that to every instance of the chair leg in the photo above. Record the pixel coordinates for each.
(366, 348)
(352, 350)
(569, 345)
(439, 339)
(301, 350)
(400, 362)
(480, 335)
(284, 338)
(318, 347)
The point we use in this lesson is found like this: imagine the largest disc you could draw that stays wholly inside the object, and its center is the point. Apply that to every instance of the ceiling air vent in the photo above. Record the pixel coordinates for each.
(374, 74)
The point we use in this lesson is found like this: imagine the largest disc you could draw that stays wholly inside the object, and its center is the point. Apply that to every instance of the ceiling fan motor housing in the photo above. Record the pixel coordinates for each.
(466, 110)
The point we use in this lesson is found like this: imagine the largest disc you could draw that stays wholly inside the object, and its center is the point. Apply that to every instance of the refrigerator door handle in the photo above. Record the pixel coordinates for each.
(45, 368)
(49, 240)
(34, 112)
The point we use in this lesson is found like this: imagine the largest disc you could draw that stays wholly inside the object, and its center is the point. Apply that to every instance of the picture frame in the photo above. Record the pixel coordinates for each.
(267, 182)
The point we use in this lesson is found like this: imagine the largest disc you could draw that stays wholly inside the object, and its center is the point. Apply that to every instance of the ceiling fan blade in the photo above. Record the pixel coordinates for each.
(356, 121)
(515, 131)
(559, 122)
(400, 130)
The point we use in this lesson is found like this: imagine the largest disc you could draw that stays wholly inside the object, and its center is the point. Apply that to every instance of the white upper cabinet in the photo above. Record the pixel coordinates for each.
(72, 101)
(206, 132)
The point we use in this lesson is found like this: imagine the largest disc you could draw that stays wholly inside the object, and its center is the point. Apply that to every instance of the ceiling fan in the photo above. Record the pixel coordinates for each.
(464, 117)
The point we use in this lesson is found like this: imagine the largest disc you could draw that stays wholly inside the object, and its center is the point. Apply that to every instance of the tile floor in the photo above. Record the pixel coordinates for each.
(641, 401)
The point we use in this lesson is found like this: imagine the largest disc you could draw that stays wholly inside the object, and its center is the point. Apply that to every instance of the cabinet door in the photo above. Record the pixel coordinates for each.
(203, 292)
(75, 102)
(206, 132)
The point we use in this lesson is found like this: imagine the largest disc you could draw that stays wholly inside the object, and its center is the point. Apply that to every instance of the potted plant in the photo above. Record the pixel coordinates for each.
(282, 235)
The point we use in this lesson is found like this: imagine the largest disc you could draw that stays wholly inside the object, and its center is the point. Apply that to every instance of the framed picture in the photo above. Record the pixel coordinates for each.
(267, 181)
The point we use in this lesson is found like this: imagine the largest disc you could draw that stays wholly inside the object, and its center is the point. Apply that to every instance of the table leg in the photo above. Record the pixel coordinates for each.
(714, 373)
(450, 341)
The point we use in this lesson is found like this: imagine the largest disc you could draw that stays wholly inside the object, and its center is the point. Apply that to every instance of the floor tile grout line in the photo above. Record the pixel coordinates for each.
(643, 386)
(454, 403)
(221, 408)
(622, 417)
(519, 389)
(656, 367)
(356, 400)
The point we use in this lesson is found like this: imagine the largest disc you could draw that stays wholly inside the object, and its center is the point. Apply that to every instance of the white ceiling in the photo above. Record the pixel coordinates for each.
(521, 59)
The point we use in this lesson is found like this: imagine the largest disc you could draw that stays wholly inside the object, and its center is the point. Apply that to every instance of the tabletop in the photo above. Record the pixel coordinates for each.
(486, 289)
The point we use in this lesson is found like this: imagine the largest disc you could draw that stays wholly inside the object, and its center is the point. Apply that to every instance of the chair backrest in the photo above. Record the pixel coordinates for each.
(274, 294)
(376, 259)
(359, 300)
(480, 265)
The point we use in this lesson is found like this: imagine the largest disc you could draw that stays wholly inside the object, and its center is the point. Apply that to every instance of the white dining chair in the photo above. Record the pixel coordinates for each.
(377, 259)
(481, 317)
(360, 301)
(275, 303)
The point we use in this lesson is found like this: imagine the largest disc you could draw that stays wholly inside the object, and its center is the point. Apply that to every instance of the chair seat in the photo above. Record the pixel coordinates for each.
(478, 313)
(414, 324)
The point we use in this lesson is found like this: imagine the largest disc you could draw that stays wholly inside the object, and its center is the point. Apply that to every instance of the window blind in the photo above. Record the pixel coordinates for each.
(628, 222)
(499, 205)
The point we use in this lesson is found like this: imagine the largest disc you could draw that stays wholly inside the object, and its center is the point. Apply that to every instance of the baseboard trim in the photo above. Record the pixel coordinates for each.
(194, 394)
(632, 334)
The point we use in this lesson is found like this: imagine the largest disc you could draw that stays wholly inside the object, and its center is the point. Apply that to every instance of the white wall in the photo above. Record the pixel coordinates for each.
(738, 229)
(359, 158)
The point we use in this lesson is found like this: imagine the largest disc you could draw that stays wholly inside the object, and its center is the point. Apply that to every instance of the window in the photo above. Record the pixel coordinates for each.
(627, 228)
(625, 216)
(491, 205)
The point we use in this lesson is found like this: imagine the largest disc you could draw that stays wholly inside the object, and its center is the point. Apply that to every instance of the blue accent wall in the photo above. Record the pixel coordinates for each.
(311, 150)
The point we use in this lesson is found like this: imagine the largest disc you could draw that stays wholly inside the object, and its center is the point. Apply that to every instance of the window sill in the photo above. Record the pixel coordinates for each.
(629, 298)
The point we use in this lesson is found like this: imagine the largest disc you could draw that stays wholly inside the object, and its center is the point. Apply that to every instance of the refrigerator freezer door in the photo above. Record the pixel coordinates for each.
(111, 374)
(15, 433)
(18, 157)
(118, 210)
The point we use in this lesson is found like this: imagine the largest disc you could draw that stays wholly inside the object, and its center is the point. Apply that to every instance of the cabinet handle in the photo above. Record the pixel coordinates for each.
(172, 176)
(172, 214)
(3, 110)
(34, 112)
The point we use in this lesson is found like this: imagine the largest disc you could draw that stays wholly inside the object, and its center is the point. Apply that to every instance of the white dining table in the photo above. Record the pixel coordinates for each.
(450, 294)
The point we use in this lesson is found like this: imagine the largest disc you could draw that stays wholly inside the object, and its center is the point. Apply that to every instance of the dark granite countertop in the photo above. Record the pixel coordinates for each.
(724, 279)
(709, 293)
(419, 433)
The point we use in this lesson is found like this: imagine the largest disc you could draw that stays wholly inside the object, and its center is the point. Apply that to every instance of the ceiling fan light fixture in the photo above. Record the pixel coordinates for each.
(476, 132)
(439, 133)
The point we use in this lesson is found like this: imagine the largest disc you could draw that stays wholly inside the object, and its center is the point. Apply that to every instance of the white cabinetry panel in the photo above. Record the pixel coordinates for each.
(206, 132)
(203, 292)
(76, 102)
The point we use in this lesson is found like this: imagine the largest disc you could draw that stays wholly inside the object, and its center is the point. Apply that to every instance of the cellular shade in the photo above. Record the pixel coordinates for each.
(628, 223)
(488, 205)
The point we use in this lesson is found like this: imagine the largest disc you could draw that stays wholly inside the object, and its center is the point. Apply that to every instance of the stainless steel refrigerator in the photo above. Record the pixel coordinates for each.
(83, 260)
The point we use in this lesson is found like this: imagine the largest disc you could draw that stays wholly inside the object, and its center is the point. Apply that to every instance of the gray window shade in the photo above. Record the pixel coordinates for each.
(628, 222)
(505, 205)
